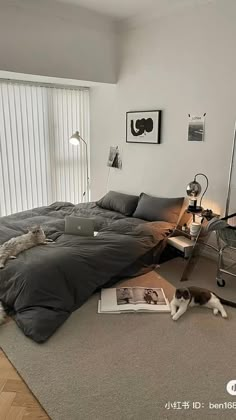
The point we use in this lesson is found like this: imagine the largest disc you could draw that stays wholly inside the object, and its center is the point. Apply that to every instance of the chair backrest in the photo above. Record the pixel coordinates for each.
(228, 236)
(230, 217)
(232, 222)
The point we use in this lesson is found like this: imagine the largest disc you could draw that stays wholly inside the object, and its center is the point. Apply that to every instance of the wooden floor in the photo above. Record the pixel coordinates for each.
(16, 400)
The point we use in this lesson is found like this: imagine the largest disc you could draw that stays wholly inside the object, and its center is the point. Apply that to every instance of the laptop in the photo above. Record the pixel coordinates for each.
(79, 226)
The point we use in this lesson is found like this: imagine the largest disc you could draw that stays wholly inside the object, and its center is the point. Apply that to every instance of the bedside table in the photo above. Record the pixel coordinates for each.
(186, 243)
(182, 243)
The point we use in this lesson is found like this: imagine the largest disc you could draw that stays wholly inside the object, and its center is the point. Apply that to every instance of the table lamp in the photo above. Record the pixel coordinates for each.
(194, 190)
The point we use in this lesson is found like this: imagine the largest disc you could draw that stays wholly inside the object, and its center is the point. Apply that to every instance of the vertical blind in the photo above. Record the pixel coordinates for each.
(38, 165)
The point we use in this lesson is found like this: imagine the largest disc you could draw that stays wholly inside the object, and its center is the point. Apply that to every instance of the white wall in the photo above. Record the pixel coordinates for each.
(48, 38)
(184, 63)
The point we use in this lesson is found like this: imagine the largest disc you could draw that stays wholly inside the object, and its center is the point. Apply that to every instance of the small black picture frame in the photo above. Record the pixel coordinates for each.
(143, 127)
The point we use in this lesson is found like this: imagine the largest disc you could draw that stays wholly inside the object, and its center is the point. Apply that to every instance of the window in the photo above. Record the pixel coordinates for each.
(38, 165)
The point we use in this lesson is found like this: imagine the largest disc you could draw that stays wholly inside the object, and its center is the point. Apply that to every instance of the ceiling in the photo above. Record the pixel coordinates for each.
(128, 9)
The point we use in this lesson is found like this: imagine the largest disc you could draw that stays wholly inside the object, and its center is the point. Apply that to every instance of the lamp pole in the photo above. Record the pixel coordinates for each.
(207, 183)
(230, 173)
(75, 139)
(87, 173)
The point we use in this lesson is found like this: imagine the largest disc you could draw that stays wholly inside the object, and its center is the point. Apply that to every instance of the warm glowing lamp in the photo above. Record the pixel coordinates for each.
(194, 190)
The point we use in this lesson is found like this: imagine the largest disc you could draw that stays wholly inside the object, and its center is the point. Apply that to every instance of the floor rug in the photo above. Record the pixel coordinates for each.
(132, 366)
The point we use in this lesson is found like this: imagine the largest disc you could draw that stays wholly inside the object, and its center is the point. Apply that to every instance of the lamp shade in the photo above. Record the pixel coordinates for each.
(194, 189)
(75, 139)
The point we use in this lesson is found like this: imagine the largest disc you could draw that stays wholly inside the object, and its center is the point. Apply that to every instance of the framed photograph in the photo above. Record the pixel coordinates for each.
(143, 127)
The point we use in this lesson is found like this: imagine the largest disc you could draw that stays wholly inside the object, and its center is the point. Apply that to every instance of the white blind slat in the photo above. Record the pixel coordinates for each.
(38, 165)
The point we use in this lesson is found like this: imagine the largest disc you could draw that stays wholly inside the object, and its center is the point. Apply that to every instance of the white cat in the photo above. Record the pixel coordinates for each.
(195, 296)
(15, 246)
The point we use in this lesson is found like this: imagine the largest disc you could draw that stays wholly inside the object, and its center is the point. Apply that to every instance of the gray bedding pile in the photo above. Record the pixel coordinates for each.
(46, 283)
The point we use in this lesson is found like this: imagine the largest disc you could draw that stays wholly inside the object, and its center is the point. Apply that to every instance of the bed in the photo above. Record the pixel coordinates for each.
(45, 284)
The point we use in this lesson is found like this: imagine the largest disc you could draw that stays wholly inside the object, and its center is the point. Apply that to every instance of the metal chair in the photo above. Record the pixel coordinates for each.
(226, 240)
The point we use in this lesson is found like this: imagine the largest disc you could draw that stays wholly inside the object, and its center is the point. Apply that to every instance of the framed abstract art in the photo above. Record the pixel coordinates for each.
(143, 127)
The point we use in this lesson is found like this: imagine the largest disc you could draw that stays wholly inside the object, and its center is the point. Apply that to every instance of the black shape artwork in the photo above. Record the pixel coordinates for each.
(115, 163)
(142, 126)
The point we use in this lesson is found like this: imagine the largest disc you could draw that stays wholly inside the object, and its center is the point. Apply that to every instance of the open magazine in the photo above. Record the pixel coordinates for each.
(129, 299)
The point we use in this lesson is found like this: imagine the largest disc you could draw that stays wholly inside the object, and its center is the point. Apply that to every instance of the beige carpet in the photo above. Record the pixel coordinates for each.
(129, 366)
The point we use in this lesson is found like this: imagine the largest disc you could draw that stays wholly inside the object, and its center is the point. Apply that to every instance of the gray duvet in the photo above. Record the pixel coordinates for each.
(46, 283)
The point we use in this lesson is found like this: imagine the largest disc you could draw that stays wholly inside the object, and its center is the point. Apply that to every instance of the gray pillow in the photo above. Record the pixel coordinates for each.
(158, 208)
(122, 203)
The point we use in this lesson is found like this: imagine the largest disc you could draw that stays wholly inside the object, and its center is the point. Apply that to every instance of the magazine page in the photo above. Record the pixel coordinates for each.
(134, 299)
(106, 312)
(113, 299)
